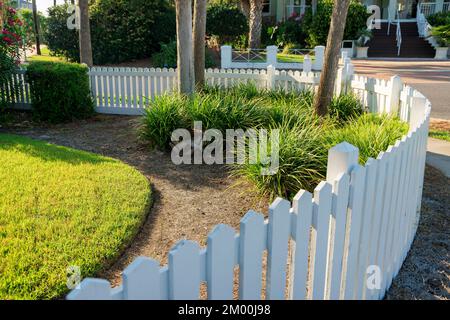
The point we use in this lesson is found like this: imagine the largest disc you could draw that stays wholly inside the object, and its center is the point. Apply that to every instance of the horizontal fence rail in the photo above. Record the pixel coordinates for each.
(294, 59)
(347, 240)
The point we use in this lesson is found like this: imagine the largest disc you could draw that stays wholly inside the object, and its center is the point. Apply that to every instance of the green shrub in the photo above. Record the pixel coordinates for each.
(161, 118)
(167, 56)
(439, 19)
(60, 39)
(59, 91)
(302, 159)
(225, 22)
(442, 35)
(121, 30)
(345, 107)
(288, 32)
(371, 133)
(317, 26)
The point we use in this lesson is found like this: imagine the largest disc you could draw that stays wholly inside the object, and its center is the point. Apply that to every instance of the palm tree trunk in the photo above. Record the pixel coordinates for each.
(244, 5)
(85, 34)
(255, 23)
(185, 62)
(331, 59)
(199, 42)
(36, 28)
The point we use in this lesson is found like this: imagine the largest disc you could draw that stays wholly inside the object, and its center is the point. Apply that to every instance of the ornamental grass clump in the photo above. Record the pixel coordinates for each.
(304, 138)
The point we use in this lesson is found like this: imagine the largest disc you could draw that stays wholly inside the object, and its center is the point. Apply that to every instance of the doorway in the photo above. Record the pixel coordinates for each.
(407, 9)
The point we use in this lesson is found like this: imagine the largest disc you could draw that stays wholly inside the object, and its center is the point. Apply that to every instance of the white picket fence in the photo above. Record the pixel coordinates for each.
(128, 91)
(359, 224)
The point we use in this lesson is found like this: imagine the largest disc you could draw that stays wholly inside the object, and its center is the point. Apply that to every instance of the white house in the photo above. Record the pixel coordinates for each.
(23, 4)
(282, 9)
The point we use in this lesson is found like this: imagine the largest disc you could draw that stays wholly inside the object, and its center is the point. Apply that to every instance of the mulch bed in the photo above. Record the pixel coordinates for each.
(189, 200)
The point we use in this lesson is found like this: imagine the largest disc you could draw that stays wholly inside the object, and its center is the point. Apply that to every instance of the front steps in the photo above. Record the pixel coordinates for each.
(385, 46)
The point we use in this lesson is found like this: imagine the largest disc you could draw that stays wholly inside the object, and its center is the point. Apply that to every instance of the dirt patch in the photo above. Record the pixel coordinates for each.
(425, 274)
(190, 200)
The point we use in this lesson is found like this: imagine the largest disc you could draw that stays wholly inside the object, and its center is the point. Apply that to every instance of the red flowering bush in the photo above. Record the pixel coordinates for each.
(11, 33)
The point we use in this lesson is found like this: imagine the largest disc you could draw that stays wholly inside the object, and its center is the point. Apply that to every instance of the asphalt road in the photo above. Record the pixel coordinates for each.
(432, 78)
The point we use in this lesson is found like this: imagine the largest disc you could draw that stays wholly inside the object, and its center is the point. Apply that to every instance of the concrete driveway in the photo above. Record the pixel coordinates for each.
(430, 77)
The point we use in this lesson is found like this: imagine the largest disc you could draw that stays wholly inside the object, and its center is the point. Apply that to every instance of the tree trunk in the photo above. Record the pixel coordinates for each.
(244, 5)
(255, 23)
(36, 28)
(85, 34)
(185, 62)
(331, 59)
(199, 42)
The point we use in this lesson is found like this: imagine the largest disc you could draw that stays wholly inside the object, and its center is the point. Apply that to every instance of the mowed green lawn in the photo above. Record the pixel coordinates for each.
(61, 207)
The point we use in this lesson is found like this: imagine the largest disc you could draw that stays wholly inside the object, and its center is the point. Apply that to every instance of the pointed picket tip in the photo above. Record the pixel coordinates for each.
(141, 280)
(91, 289)
(252, 217)
(280, 204)
(322, 188)
(301, 196)
(222, 231)
(184, 246)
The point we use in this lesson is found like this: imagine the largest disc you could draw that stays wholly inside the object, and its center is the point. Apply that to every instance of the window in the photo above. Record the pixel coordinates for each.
(266, 7)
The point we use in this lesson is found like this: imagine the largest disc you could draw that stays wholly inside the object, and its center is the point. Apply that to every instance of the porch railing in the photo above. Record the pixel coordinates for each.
(427, 8)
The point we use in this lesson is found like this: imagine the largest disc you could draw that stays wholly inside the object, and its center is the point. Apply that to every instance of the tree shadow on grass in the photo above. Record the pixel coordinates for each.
(49, 152)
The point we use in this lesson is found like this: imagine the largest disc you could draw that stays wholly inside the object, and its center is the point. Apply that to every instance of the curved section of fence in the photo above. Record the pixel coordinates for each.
(348, 239)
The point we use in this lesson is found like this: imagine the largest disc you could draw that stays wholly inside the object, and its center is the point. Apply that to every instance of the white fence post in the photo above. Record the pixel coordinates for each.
(340, 79)
(225, 57)
(341, 159)
(307, 64)
(270, 77)
(416, 113)
(396, 87)
(319, 53)
(272, 55)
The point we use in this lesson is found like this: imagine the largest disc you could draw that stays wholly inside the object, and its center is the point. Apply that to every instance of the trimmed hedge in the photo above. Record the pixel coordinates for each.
(317, 26)
(226, 22)
(59, 91)
(121, 30)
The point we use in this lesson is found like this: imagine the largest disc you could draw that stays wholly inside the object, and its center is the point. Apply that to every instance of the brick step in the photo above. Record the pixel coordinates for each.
(383, 45)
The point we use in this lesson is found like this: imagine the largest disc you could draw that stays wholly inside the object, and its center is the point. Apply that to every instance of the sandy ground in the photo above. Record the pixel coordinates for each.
(190, 200)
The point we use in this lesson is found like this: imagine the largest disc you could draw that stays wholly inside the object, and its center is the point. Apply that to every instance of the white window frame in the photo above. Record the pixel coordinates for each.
(270, 8)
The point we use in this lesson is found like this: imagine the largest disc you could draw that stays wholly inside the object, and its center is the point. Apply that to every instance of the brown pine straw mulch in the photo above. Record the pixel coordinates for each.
(190, 200)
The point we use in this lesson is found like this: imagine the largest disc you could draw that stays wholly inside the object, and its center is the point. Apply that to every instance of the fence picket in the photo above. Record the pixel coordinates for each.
(357, 183)
(252, 244)
(341, 189)
(366, 225)
(279, 229)
(141, 280)
(220, 263)
(302, 208)
(184, 271)
(321, 223)
(388, 156)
